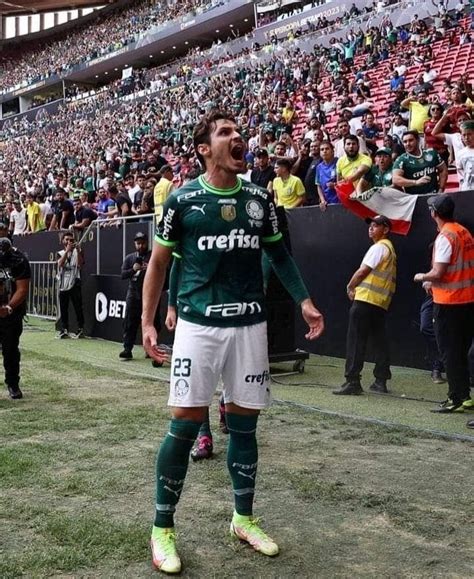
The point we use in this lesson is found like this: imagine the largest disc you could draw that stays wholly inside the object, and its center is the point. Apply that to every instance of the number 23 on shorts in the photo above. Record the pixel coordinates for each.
(182, 367)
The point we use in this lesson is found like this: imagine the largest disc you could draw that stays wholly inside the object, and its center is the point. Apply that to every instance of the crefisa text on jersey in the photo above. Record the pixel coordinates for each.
(237, 239)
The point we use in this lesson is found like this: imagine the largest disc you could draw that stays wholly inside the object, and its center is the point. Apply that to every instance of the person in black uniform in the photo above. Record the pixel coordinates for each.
(134, 269)
(15, 277)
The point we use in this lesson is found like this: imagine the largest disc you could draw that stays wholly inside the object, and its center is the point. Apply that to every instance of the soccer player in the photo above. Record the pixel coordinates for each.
(221, 225)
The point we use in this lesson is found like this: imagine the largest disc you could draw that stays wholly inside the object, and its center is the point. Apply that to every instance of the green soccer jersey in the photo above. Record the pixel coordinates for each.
(378, 179)
(220, 234)
(416, 167)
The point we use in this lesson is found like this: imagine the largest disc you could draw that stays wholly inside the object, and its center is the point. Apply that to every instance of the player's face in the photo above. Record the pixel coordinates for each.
(227, 148)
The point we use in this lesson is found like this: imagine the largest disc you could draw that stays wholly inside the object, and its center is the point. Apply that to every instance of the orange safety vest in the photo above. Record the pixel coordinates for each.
(457, 284)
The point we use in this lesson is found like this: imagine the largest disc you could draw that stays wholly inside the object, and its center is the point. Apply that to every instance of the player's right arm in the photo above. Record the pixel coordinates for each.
(166, 239)
(152, 287)
(171, 316)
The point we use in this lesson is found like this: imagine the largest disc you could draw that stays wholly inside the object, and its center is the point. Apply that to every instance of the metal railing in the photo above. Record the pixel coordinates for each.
(42, 296)
(147, 221)
(43, 293)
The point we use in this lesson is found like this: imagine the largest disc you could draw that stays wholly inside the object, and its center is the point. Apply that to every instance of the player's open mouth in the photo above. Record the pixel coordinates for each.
(237, 152)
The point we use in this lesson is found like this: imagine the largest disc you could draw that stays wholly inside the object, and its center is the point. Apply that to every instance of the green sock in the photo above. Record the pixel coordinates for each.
(242, 458)
(205, 429)
(171, 468)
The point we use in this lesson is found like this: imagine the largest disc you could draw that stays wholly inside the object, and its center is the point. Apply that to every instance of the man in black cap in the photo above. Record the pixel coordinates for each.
(451, 281)
(134, 269)
(370, 289)
(15, 277)
(264, 171)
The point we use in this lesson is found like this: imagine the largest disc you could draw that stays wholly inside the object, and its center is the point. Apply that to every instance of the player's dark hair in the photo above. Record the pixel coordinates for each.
(202, 131)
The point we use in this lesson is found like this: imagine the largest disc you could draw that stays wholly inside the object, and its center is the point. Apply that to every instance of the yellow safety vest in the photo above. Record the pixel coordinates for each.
(379, 286)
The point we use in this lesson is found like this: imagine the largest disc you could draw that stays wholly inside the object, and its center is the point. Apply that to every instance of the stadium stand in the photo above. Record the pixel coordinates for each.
(108, 34)
(279, 85)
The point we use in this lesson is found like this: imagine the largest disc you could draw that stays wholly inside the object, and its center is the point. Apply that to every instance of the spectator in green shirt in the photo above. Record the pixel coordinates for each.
(380, 174)
(419, 171)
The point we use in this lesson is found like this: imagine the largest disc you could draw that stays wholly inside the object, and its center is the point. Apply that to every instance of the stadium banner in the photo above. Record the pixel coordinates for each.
(104, 306)
(104, 299)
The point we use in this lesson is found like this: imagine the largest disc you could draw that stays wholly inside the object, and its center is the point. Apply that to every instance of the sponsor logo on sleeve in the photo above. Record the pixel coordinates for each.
(274, 219)
(167, 224)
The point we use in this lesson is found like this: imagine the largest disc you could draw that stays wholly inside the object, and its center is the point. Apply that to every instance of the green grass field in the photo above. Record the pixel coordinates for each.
(373, 486)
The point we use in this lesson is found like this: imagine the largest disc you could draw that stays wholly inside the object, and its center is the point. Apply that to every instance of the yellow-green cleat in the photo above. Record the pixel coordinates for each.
(468, 403)
(163, 550)
(246, 528)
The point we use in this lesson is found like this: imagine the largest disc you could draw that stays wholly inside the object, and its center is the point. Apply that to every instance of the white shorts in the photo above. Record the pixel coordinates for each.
(204, 354)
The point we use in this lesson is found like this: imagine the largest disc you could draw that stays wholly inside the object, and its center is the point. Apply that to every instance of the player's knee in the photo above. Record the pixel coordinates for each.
(235, 409)
(195, 414)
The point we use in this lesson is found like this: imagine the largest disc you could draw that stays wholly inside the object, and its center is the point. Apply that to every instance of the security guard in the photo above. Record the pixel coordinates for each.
(370, 289)
(15, 277)
(452, 282)
(134, 269)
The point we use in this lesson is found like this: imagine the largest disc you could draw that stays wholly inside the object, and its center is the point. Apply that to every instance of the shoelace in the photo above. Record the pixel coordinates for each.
(252, 526)
(167, 543)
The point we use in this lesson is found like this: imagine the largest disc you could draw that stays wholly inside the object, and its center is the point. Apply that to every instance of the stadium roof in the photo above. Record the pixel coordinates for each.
(25, 7)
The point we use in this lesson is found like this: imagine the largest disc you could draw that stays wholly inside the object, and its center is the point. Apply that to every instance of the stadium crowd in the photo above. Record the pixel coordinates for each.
(309, 119)
(40, 60)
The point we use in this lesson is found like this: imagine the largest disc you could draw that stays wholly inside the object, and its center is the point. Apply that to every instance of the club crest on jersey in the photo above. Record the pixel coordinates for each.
(254, 210)
(228, 212)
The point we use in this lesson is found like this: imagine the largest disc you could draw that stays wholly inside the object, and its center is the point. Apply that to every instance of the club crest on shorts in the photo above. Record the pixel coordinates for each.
(254, 210)
(181, 387)
(228, 212)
